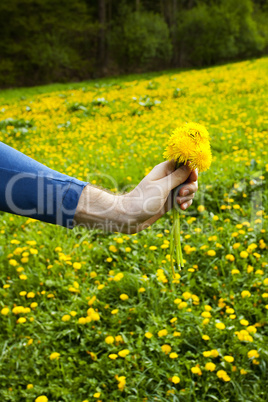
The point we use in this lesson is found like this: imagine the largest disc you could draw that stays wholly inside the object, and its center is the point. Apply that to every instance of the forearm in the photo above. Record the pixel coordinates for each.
(98, 209)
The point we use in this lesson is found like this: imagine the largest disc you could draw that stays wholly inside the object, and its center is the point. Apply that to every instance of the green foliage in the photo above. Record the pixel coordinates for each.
(212, 33)
(141, 40)
(45, 41)
(54, 41)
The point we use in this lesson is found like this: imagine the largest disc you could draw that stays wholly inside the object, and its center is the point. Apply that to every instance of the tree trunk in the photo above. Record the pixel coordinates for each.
(174, 33)
(102, 35)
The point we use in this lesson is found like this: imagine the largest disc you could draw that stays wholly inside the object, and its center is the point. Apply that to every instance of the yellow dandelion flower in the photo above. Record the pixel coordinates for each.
(190, 143)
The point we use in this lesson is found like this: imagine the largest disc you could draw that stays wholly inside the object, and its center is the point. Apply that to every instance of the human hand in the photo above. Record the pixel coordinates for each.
(157, 192)
(134, 211)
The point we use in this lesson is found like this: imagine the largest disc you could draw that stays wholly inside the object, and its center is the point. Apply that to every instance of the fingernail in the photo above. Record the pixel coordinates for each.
(185, 192)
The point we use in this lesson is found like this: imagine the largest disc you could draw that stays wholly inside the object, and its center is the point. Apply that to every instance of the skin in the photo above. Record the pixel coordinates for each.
(150, 200)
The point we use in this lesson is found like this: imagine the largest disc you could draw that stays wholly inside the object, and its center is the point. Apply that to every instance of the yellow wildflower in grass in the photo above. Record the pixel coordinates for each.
(196, 370)
(18, 310)
(252, 329)
(118, 277)
(41, 398)
(230, 257)
(148, 335)
(236, 245)
(113, 356)
(210, 366)
(54, 356)
(123, 353)
(177, 301)
(21, 320)
(5, 311)
(214, 353)
(182, 305)
(82, 320)
(244, 336)
(253, 354)
(66, 317)
(109, 339)
(206, 314)
(244, 322)
(166, 349)
(123, 296)
(201, 208)
(162, 332)
(152, 248)
(211, 253)
(29, 386)
(245, 293)
(220, 325)
(121, 382)
(175, 379)
(207, 307)
(97, 395)
(228, 359)
(205, 337)
(186, 295)
(223, 375)
(235, 271)
(244, 254)
(73, 313)
(173, 355)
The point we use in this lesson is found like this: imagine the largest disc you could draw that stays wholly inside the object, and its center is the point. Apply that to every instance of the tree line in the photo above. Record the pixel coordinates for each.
(45, 41)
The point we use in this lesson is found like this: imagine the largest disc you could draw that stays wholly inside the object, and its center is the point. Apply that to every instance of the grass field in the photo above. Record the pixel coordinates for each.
(88, 316)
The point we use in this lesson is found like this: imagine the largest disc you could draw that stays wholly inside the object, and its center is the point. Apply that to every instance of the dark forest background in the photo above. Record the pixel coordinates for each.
(43, 41)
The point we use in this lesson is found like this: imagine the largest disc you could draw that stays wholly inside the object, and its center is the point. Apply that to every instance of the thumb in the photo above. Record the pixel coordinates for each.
(176, 178)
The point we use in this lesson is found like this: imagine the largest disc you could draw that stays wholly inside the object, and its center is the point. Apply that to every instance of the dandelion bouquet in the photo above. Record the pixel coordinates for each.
(187, 144)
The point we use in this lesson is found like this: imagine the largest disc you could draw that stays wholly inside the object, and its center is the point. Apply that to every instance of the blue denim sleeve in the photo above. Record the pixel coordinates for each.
(31, 189)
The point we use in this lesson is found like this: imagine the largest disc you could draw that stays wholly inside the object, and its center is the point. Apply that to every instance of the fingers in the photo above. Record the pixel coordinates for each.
(161, 170)
(176, 178)
(188, 188)
(186, 205)
(182, 200)
(194, 175)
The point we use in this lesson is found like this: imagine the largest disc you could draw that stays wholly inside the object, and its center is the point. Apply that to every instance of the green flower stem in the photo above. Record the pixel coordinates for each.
(179, 237)
(175, 241)
(172, 249)
(175, 237)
